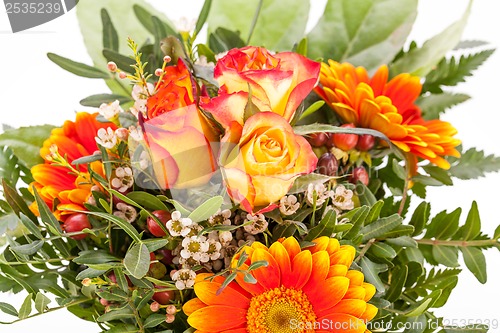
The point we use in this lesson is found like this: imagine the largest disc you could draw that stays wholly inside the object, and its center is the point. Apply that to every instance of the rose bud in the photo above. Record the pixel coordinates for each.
(345, 142)
(163, 297)
(317, 139)
(327, 165)
(76, 223)
(153, 227)
(359, 174)
(365, 142)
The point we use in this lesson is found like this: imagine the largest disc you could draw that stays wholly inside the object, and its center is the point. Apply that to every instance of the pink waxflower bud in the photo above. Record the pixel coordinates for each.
(167, 59)
(169, 319)
(112, 66)
(155, 306)
(158, 72)
(122, 75)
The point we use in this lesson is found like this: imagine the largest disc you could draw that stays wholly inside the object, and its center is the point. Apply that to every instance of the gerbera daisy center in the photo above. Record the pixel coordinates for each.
(281, 310)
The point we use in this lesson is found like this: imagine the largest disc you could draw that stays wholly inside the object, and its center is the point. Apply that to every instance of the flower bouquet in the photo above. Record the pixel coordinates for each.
(259, 180)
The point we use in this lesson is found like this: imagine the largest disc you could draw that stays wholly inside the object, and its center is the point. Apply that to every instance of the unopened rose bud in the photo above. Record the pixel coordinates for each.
(155, 306)
(345, 142)
(365, 142)
(359, 174)
(171, 309)
(317, 139)
(169, 319)
(328, 165)
(112, 66)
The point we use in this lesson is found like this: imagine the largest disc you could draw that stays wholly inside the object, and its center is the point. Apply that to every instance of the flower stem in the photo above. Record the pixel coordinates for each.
(365, 249)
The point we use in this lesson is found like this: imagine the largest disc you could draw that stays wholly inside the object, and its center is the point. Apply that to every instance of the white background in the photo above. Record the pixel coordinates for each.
(35, 91)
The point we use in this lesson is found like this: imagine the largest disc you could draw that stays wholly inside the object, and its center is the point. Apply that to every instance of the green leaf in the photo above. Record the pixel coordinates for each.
(206, 209)
(448, 226)
(382, 250)
(123, 62)
(419, 309)
(116, 314)
(352, 31)
(445, 255)
(125, 21)
(420, 61)
(222, 40)
(154, 320)
(312, 108)
(137, 260)
(403, 241)
(121, 280)
(324, 228)
(16, 202)
(78, 68)
(25, 309)
(121, 223)
(380, 227)
(400, 230)
(398, 280)
(374, 212)
(28, 249)
(41, 302)
(474, 164)
(8, 309)
(112, 294)
(439, 174)
(90, 257)
(46, 215)
(472, 226)
(109, 35)
(32, 227)
(96, 100)
(371, 271)
(90, 273)
(26, 142)
(8, 222)
(202, 18)
(434, 104)
(275, 34)
(155, 244)
(147, 200)
(420, 217)
(475, 262)
(450, 72)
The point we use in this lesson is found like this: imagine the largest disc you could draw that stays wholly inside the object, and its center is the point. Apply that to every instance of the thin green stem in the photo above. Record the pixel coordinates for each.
(254, 21)
(482, 242)
(365, 249)
(17, 263)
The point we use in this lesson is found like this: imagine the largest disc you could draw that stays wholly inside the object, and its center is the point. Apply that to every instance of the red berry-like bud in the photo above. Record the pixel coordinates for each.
(327, 165)
(317, 139)
(163, 297)
(166, 256)
(359, 174)
(345, 142)
(75, 223)
(365, 142)
(153, 227)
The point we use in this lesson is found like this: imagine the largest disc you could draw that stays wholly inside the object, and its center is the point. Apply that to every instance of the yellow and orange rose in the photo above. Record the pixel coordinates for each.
(179, 136)
(278, 83)
(261, 159)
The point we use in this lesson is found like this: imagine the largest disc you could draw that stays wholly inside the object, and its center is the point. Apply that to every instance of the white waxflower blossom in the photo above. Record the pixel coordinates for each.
(195, 247)
(225, 237)
(106, 138)
(186, 262)
(136, 133)
(185, 25)
(124, 179)
(214, 248)
(111, 110)
(342, 198)
(179, 226)
(289, 204)
(144, 160)
(184, 278)
(202, 61)
(220, 218)
(258, 224)
(126, 212)
(140, 105)
(140, 92)
(321, 193)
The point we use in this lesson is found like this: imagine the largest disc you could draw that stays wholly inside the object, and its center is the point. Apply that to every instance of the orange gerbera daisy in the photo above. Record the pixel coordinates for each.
(387, 106)
(310, 290)
(62, 186)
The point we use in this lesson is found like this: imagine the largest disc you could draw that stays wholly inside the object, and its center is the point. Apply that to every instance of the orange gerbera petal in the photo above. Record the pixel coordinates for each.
(387, 106)
(68, 186)
(296, 287)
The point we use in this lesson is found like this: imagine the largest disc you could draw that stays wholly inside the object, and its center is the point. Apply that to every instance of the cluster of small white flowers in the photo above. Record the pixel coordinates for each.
(178, 225)
(144, 160)
(140, 96)
(111, 110)
(319, 191)
(106, 138)
(195, 247)
(257, 225)
(136, 133)
(184, 278)
(123, 180)
(342, 198)
(126, 212)
(220, 218)
(289, 204)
